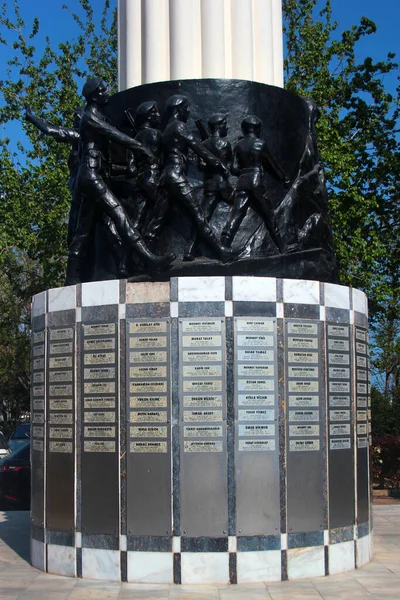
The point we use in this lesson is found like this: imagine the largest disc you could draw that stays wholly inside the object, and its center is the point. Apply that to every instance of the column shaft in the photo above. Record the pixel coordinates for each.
(155, 42)
(213, 38)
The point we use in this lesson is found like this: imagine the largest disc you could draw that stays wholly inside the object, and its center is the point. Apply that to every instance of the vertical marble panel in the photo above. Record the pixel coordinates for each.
(202, 380)
(60, 486)
(340, 375)
(100, 447)
(38, 412)
(361, 362)
(256, 418)
(305, 392)
(148, 428)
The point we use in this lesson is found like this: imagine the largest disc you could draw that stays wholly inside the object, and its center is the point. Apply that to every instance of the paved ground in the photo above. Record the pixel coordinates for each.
(379, 580)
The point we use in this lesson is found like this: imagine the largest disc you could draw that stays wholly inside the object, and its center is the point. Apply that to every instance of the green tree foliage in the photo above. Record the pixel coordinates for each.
(359, 146)
(33, 170)
(358, 140)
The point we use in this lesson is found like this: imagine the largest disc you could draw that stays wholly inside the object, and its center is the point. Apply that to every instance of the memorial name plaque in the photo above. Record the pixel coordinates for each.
(202, 385)
(100, 387)
(60, 504)
(338, 338)
(148, 382)
(305, 400)
(361, 345)
(256, 445)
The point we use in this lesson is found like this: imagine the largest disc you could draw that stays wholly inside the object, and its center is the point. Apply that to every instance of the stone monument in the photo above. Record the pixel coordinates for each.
(200, 386)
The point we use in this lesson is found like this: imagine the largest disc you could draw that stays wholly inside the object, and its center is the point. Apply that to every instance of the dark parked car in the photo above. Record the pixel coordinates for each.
(19, 436)
(15, 479)
(4, 447)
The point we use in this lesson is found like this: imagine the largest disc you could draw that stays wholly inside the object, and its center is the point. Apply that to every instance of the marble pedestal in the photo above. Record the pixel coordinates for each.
(201, 430)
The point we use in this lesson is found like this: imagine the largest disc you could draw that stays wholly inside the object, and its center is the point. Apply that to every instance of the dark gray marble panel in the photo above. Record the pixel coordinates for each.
(256, 543)
(201, 309)
(256, 309)
(337, 315)
(305, 539)
(149, 543)
(100, 541)
(148, 309)
(60, 538)
(204, 544)
(301, 311)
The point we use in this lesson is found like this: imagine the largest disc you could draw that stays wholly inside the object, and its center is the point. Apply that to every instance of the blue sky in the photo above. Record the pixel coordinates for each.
(58, 24)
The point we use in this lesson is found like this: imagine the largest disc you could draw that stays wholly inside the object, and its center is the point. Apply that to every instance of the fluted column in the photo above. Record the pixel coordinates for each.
(192, 39)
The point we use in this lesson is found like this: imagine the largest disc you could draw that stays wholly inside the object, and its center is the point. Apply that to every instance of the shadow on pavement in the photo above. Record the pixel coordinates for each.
(15, 530)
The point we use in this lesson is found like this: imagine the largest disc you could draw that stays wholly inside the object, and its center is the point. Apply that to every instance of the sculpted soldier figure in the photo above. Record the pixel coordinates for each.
(95, 132)
(250, 157)
(216, 184)
(174, 184)
(65, 135)
(147, 120)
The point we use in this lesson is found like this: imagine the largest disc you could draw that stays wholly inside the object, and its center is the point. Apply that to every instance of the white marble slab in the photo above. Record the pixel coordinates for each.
(363, 551)
(360, 302)
(78, 539)
(284, 541)
(146, 292)
(39, 304)
(101, 564)
(123, 543)
(176, 544)
(256, 289)
(228, 308)
(279, 310)
(300, 291)
(61, 560)
(210, 567)
(201, 289)
(306, 562)
(121, 311)
(174, 307)
(37, 554)
(63, 298)
(258, 566)
(337, 296)
(232, 543)
(100, 293)
(341, 557)
(150, 567)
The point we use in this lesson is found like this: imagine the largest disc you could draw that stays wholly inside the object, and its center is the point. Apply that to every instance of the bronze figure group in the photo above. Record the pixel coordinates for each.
(133, 197)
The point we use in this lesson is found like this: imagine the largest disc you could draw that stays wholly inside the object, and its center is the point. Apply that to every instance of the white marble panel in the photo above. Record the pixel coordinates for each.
(363, 551)
(176, 544)
(322, 313)
(150, 567)
(279, 310)
(121, 311)
(326, 537)
(63, 298)
(201, 289)
(337, 296)
(360, 302)
(300, 291)
(283, 541)
(79, 314)
(78, 539)
(174, 308)
(228, 308)
(123, 543)
(146, 292)
(39, 304)
(259, 566)
(232, 543)
(199, 567)
(341, 557)
(101, 564)
(100, 293)
(306, 562)
(257, 289)
(37, 554)
(61, 560)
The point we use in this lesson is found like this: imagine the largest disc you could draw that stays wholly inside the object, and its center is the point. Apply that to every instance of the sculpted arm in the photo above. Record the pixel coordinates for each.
(100, 127)
(66, 135)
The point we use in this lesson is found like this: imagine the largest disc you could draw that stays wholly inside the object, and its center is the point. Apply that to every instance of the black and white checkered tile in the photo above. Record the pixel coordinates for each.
(177, 558)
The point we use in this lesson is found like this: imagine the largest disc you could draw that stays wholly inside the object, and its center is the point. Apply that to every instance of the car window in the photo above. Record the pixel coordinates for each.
(22, 432)
(3, 442)
(23, 453)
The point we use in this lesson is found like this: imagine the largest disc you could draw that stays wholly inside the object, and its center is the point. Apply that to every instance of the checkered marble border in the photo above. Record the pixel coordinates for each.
(234, 559)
